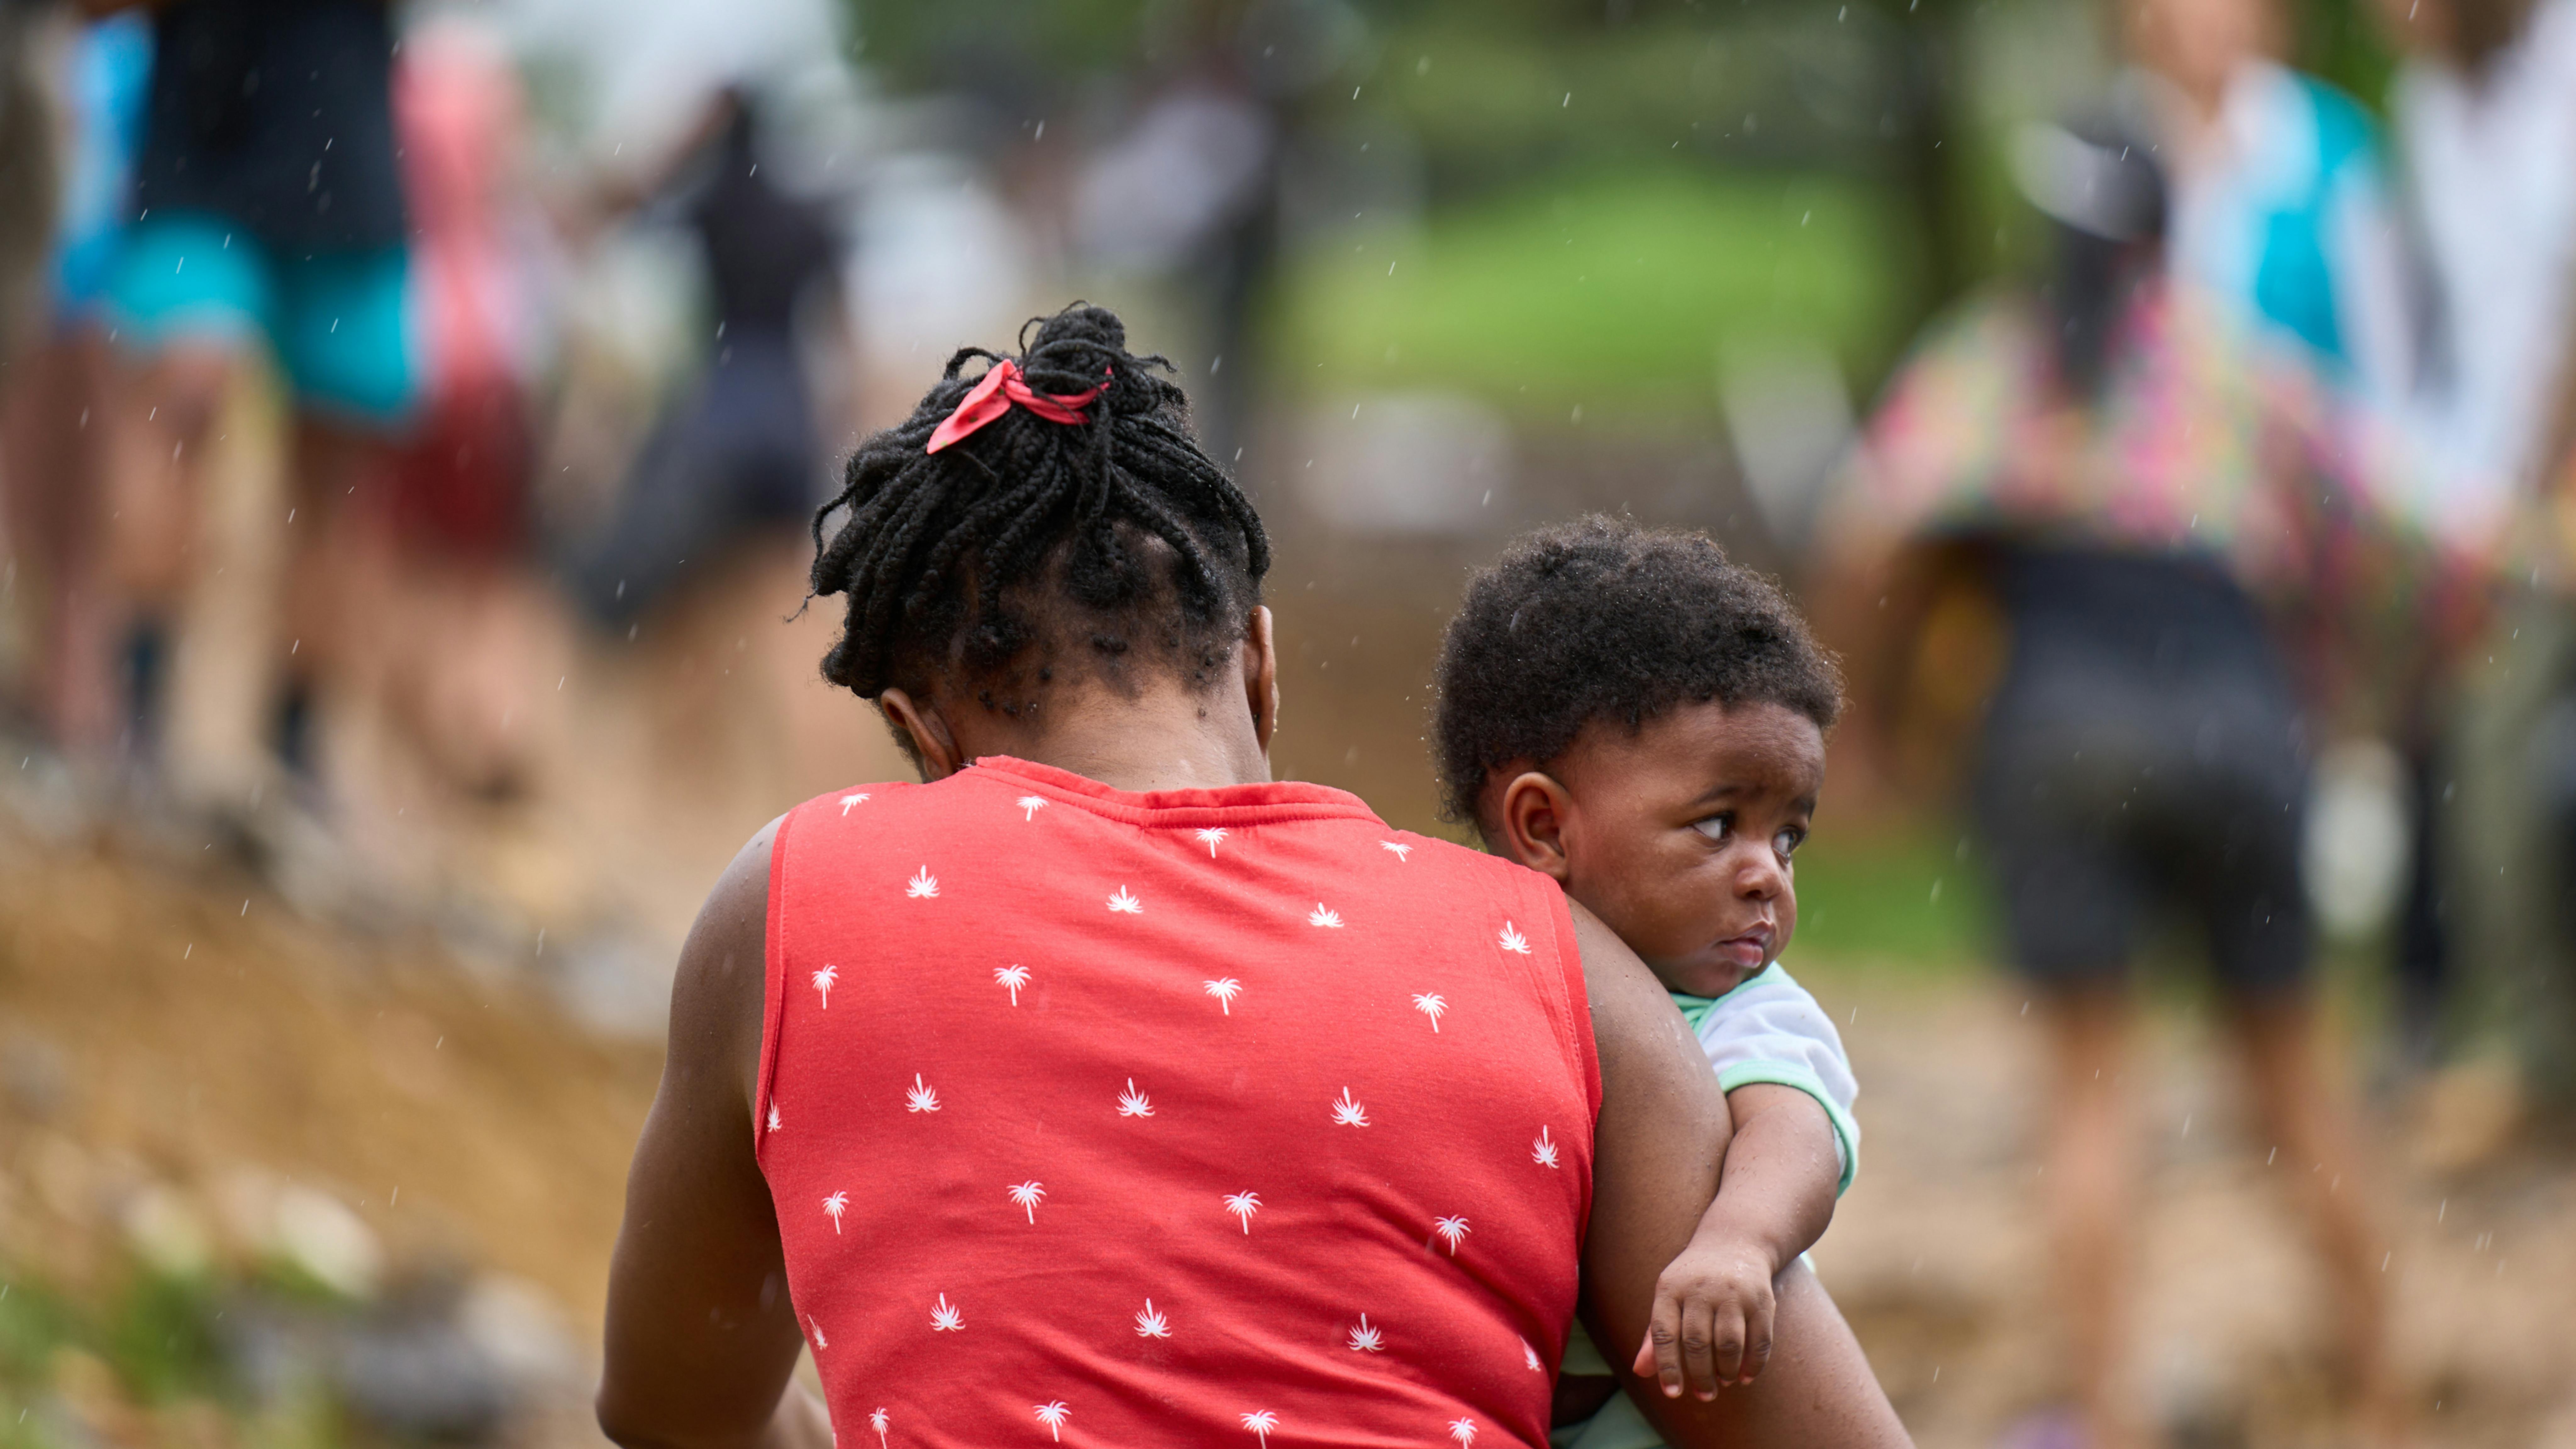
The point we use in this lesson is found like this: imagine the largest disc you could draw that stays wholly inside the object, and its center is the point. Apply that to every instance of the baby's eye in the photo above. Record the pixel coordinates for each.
(1788, 841)
(1716, 827)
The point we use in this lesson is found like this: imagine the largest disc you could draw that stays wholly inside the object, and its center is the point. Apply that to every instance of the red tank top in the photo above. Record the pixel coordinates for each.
(1195, 1117)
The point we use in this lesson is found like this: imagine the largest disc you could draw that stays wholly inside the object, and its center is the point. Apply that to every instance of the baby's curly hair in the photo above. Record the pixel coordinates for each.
(1602, 619)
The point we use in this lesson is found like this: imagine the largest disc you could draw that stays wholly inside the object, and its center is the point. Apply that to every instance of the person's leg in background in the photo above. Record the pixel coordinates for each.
(2549, 991)
(58, 392)
(2422, 956)
(2310, 1125)
(2091, 1175)
(2050, 791)
(346, 339)
(2517, 956)
(54, 420)
(188, 304)
(2250, 789)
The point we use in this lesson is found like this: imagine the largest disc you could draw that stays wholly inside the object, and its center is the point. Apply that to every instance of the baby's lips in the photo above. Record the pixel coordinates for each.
(1755, 944)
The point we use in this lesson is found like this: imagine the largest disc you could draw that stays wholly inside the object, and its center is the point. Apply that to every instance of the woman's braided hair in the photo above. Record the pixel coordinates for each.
(1029, 533)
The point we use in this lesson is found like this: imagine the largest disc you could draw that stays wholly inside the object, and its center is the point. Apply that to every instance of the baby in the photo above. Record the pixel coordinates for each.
(1628, 712)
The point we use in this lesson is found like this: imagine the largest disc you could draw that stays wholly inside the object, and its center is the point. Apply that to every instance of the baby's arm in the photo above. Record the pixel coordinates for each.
(1789, 1094)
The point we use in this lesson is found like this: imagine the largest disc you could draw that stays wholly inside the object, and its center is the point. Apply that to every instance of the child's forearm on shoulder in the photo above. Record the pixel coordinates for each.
(1777, 1186)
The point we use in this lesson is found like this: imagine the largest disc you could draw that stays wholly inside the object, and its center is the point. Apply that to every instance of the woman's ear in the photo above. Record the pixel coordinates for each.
(934, 748)
(1261, 676)
(1531, 816)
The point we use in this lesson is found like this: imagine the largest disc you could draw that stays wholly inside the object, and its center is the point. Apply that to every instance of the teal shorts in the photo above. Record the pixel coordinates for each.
(339, 323)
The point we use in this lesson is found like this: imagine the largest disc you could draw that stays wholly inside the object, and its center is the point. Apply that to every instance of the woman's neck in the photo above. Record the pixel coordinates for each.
(1168, 737)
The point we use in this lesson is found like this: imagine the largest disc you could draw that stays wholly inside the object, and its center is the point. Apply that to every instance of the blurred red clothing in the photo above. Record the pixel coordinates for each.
(462, 483)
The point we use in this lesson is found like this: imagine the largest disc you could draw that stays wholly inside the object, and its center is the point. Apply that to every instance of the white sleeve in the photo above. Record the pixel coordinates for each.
(1770, 1030)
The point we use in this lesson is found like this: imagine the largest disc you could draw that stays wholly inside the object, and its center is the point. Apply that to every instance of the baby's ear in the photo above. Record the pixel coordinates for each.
(1530, 813)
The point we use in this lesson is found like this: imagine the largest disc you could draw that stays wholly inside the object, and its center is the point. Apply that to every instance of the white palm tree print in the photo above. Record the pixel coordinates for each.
(1012, 978)
(923, 886)
(849, 800)
(1366, 1339)
(921, 1098)
(1151, 1323)
(1513, 941)
(1053, 1414)
(1320, 916)
(1449, 1230)
(1543, 1151)
(1348, 1113)
(1464, 1431)
(1261, 1422)
(877, 1421)
(1133, 1103)
(1396, 848)
(1243, 1205)
(1431, 1004)
(773, 1117)
(819, 1340)
(1529, 1358)
(1026, 1197)
(1125, 904)
(1225, 989)
(1031, 804)
(946, 1317)
(1210, 836)
(833, 1206)
(823, 980)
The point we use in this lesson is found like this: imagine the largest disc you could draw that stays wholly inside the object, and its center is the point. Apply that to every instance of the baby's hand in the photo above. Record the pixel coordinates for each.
(1712, 1320)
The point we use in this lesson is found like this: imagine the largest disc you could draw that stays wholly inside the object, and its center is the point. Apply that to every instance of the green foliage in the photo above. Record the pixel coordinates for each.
(1912, 899)
(161, 1338)
(2341, 41)
(1776, 86)
(157, 1333)
(34, 1321)
(1609, 292)
(932, 44)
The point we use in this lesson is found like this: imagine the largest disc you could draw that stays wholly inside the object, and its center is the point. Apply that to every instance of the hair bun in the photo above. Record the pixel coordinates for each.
(1083, 325)
(1083, 347)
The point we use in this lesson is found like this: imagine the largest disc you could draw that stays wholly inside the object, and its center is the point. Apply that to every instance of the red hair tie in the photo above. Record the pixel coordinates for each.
(993, 396)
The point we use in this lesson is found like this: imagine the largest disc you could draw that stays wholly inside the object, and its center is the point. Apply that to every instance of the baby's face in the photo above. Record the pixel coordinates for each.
(1679, 836)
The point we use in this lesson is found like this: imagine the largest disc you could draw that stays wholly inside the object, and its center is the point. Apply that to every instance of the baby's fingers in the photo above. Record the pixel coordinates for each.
(1726, 1331)
(1701, 1338)
(1660, 1355)
(1758, 1318)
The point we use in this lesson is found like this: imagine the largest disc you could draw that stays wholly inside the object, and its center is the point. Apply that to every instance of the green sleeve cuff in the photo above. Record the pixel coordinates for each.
(1792, 1074)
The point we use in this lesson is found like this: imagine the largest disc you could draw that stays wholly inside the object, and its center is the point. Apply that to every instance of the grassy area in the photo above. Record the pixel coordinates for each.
(1613, 293)
(1911, 900)
(151, 1345)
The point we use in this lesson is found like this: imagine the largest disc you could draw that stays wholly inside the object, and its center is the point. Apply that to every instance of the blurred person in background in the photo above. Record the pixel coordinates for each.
(268, 218)
(703, 546)
(2484, 112)
(735, 459)
(475, 615)
(2285, 211)
(1188, 193)
(2128, 474)
(54, 408)
(2277, 195)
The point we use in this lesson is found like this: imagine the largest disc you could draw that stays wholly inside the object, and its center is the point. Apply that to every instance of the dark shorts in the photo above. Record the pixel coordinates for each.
(2143, 754)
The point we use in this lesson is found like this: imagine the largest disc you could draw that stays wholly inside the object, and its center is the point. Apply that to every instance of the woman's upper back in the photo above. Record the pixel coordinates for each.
(1155, 1112)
